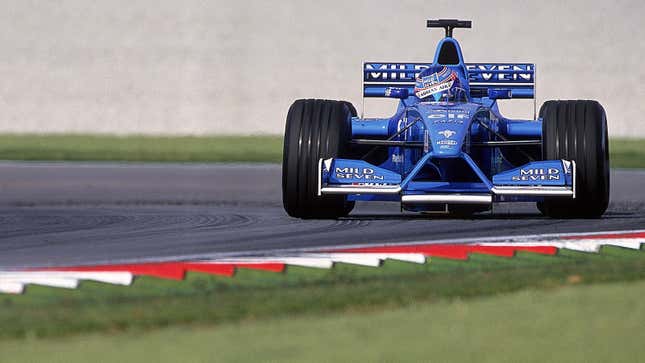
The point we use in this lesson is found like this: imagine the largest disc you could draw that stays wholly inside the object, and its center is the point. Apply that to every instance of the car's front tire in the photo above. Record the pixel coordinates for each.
(315, 129)
(577, 130)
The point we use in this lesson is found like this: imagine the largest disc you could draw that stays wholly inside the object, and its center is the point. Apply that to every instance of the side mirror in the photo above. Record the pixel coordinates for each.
(500, 93)
(395, 92)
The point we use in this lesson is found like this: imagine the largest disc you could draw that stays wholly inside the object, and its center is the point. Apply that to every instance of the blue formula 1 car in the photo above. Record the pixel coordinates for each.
(447, 148)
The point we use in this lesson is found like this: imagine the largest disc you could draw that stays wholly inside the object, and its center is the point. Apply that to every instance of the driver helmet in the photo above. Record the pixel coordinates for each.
(439, 84)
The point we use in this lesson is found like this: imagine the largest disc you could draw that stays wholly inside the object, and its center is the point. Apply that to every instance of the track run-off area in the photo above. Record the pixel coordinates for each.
(67, 214)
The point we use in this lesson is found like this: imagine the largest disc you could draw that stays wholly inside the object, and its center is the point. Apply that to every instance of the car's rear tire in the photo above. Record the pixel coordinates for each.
(577, 130)
(315, 129)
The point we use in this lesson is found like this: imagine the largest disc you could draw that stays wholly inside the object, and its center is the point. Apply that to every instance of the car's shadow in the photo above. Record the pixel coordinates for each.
(481, 216)
(438, 216)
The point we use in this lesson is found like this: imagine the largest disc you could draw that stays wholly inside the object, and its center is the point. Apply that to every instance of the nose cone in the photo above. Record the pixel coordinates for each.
(447, 140)
(448, 125)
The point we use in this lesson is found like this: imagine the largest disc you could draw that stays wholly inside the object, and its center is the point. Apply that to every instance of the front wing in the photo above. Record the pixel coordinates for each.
(531, 182)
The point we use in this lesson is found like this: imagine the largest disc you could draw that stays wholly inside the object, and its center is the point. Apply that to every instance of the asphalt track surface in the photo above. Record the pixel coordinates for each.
(79, 213)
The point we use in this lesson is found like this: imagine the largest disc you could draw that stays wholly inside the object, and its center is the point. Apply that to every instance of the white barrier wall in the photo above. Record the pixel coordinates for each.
(226, 67)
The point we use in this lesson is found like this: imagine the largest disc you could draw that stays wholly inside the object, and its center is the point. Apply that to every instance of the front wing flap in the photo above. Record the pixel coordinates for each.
(532, 181)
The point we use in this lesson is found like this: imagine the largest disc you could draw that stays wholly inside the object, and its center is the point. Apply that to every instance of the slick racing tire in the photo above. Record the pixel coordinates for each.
(315, 129)
(577, 130)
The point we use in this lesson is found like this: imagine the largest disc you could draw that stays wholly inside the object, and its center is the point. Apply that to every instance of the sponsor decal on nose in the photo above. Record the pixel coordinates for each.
(447, 133)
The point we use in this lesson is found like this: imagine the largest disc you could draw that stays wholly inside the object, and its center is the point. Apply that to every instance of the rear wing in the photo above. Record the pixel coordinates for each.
(518, 77)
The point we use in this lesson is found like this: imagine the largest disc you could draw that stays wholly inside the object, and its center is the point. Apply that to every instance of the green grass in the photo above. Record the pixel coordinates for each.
(601, 323)
(141, 148)
(625, 153)
(202, 299)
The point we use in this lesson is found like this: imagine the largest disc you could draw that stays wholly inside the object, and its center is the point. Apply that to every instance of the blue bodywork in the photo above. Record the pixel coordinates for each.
(434, 153)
